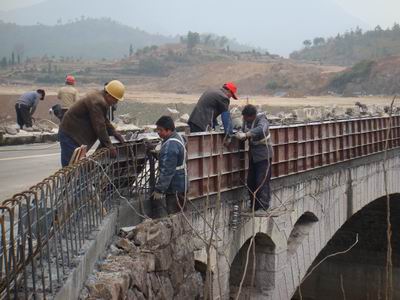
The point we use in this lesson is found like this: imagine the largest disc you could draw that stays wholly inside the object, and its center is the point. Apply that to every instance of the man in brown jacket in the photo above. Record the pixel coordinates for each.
(86, 121)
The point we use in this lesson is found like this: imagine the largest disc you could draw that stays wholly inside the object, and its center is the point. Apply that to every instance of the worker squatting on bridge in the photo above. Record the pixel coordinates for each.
(26, 107)
(86, 121)
(256, 131)
(212, 103)
(172, 183)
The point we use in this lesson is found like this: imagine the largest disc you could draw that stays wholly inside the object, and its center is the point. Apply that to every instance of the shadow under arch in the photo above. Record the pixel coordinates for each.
(300, 231)
(359, 273)
(263, 267)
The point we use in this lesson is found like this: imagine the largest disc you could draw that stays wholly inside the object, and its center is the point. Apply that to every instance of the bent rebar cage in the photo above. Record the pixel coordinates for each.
(43, 229)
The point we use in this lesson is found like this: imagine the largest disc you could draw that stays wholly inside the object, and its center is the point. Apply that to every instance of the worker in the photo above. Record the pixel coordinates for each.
(67, 95)
(256, 131)
(26, 106)
(86, 121)
(171, 186)
(210, 105)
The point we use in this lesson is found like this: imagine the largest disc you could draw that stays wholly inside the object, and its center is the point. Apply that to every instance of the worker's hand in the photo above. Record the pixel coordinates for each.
(119, 137)
(158, 196)
(113, 152)
(241, 136)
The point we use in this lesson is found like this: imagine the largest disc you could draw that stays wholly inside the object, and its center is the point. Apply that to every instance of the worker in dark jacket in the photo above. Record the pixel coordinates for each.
(86, 121)
(26, 106)
(171, 185)
(256, 131)
(210, 105)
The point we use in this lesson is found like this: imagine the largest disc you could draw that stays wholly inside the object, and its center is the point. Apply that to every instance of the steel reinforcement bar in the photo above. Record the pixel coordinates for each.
(43, 229)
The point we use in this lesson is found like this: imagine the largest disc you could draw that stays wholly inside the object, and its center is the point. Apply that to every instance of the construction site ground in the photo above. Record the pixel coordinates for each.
(145, 105)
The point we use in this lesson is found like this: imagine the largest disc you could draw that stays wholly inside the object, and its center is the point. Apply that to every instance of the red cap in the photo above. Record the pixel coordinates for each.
(230, 86)
(70, 79)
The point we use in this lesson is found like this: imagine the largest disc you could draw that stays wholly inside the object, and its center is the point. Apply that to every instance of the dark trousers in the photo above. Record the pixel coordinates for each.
(58, 111)
(23, 115)
(168, 206)
(68, 146)
(194, 128)
(258, 179)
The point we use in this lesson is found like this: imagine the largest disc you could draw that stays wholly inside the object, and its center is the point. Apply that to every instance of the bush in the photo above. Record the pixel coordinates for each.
(153, 67)
(356, 74)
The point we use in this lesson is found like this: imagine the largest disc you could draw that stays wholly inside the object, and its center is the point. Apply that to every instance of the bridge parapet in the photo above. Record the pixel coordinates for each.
(44, 228)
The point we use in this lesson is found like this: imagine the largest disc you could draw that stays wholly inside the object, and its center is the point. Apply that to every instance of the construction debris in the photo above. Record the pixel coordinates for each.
(153, 260)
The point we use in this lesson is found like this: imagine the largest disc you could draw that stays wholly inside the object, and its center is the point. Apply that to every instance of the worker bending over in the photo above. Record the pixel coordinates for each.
(26, 106)
(210, 105)
(256, 131)
(67, 95)
(86, 121)
(171, 185)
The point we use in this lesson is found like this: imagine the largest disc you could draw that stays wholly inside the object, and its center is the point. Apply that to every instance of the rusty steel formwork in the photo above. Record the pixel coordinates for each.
(297, 148)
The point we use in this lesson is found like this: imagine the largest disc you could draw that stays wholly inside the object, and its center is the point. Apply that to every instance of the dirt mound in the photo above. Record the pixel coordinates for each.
(381, 77)
(253, 78)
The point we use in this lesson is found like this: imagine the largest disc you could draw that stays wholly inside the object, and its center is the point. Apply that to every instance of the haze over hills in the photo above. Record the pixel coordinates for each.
(89, 38)
(279, 26)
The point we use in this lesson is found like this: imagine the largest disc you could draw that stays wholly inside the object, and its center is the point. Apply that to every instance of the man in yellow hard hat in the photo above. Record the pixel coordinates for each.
(86, 121)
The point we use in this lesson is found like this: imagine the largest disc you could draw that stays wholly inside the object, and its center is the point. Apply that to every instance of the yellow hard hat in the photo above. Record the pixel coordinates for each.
(116, 89)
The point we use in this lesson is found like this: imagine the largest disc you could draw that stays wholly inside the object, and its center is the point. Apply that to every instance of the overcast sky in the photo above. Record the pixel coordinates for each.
(372, 12)
(280, 26)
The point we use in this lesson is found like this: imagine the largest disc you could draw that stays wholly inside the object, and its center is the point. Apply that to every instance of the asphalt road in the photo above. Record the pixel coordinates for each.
(25, 165)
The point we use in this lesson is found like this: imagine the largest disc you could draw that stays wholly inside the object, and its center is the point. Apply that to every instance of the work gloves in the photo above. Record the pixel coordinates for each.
(241, 136)
(158, 196)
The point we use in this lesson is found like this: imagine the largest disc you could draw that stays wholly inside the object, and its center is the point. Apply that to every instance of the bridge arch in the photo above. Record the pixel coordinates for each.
(359, 273)
(260, 275)
(300, 231)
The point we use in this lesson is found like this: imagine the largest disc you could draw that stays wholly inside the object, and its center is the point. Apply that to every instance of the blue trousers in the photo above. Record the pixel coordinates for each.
(68, 146)
(258, 179)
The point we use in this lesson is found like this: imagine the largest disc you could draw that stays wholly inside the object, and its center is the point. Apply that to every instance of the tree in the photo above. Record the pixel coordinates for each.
(193, 38)
(207, 39)
(223, 40)
(318, 41)
(19, 50)
(307, 43)
(130, 50)
(4, 63)
(396, 27)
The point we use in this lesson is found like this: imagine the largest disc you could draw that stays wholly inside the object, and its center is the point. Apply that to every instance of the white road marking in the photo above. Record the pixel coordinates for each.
(27, 157)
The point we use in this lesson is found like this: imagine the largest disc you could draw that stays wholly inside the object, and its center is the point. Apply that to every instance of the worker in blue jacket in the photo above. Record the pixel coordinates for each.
(171, 185)
(255, 129)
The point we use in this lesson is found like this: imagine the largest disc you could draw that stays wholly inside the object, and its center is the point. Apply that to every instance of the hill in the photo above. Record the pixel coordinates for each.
(279, 26)
(352, 47)
(381, 77)
(85, 38)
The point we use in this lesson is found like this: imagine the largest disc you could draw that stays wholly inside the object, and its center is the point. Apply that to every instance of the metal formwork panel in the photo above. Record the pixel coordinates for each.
(297, 148)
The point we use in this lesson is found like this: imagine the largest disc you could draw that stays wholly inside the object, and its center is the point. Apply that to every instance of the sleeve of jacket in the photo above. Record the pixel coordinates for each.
(99, 121)
(261, 130)
(110, 128)
(168, 162)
